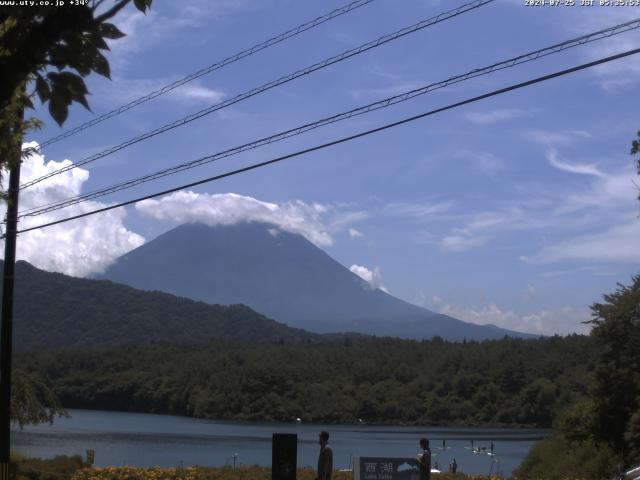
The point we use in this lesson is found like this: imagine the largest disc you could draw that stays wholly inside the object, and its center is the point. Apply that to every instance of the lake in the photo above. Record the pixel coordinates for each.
(144, 440)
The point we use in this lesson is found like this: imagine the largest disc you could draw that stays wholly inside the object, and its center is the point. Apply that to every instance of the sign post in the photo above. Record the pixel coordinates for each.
(91, 455)
(385, 468)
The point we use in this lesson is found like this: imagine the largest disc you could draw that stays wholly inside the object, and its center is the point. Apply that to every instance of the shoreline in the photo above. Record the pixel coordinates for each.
(243, 421)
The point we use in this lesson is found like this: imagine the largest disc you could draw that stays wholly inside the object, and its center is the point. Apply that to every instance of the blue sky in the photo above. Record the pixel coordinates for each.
(519, 210)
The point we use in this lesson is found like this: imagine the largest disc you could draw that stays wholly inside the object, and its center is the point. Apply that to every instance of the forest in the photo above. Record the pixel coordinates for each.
(598, 436)
(586, 388)
(89, 312)
(509, 382)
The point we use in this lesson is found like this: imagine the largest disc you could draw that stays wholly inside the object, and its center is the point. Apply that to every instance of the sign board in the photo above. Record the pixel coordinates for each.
(91, 454)
(385, 468)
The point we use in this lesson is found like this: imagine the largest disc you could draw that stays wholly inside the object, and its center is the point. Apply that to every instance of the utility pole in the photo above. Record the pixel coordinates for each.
(6, 328)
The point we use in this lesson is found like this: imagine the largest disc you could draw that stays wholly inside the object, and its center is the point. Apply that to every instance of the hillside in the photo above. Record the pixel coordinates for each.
(54, 310)
(284, 276)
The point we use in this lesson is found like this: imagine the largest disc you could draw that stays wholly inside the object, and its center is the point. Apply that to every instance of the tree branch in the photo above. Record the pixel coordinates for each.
(96, 4)
(112, 11)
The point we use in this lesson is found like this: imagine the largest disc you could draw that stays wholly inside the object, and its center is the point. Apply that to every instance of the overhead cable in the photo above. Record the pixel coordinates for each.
(211, 68)
(342, 140)
(267, 86)
(511, 62)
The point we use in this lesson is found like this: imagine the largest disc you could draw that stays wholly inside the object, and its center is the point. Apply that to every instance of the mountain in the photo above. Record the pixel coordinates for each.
(52, 311)
(282, 275)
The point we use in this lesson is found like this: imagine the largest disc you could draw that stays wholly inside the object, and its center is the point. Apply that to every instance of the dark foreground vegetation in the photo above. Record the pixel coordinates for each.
(510, 382)
(58, 468)
(598, 436)
(72, 468)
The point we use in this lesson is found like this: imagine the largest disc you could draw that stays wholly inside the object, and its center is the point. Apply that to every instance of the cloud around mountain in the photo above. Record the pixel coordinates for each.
(372, 276)
(316, 222)
(88, 245)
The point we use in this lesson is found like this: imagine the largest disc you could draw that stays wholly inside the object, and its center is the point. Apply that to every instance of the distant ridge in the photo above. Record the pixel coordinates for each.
(54, 311)
(284, 276)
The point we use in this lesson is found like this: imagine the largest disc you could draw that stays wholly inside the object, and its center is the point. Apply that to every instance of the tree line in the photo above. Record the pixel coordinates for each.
(508, 382)
(598, 435)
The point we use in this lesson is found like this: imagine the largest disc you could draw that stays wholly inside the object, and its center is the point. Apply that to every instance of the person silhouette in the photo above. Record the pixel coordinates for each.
(424, 460)
(325, 458)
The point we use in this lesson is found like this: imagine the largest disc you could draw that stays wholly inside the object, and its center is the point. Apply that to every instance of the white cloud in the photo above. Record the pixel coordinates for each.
(565, 320)
(122, 90)
(194, 91)
(557, 138)
(623, 73)
(581, 169)
(316, 222)
(493, 116)
(372, 277)
(529, 293)
(615, 244)
(384, 92)
(486, 162)
(596, 215)
(79, 247)
(459, 243)
(614, 194)
(417, 211)
(353, 233)
(165, 22)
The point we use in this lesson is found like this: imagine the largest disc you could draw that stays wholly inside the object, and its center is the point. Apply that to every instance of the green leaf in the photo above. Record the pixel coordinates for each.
(82, 100)
(98, 41)
(77, 89)
(101, 65)
(109, 30)
(58, 57)
(42, 88)
(58, 109)
(83, 65)
(28, 103)
(74, 82)
(142, 5)
(60, 97)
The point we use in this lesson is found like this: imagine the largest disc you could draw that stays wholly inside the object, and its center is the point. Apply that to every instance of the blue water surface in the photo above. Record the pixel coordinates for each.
(144, 440)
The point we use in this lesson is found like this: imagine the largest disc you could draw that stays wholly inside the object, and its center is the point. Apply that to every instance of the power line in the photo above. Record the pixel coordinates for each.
(528, 57)
(344, 139)
(211, 68)
(282, 80)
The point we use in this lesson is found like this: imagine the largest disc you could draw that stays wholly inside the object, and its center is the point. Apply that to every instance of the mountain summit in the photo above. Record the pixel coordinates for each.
(283, 276)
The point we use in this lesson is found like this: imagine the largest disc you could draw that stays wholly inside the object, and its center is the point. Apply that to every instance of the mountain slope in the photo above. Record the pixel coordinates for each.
(52, 310)
(283, 276)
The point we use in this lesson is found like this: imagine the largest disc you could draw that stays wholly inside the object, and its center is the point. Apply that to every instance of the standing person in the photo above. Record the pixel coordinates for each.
(325, 459)
(454, 466)
(424, 460)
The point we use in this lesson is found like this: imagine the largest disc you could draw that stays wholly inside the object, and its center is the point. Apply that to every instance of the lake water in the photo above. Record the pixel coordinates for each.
(146, 440)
